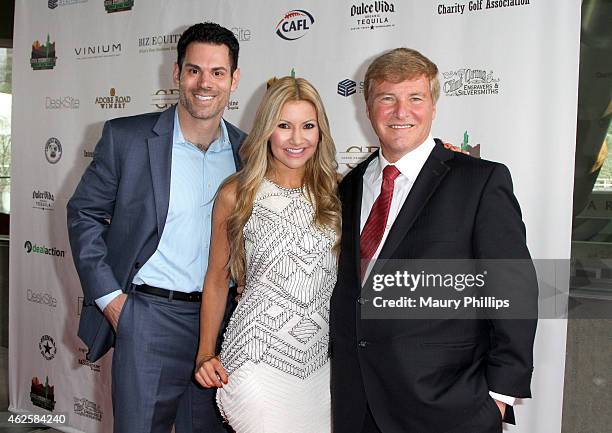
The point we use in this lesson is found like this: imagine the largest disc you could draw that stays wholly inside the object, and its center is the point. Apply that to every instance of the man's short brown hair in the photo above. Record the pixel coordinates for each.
(402, 64)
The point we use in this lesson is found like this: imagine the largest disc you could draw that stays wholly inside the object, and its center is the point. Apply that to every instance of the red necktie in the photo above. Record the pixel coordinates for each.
(374, 228)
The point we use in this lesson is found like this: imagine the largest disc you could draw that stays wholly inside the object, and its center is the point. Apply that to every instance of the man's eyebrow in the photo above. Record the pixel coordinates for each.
(191, 65)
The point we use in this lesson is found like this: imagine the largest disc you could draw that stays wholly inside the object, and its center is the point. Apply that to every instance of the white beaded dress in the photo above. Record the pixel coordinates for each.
(275, 348)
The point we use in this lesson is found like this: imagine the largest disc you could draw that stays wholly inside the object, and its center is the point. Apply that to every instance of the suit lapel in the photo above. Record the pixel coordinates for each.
(425, 185)
(160, 159)
(236, 137)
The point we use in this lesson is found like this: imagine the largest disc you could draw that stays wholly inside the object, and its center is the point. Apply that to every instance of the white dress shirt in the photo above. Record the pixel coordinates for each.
(410, 166)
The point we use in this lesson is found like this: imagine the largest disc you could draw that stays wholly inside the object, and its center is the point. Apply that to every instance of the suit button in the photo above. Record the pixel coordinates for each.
(137, 265)
(363, 343)
(361, 301)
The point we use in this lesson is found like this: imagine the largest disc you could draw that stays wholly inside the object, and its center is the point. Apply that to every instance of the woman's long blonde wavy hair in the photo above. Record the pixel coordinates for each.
(320, 177)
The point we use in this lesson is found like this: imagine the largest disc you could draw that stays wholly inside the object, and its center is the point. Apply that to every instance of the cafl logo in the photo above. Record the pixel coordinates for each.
(294, 25)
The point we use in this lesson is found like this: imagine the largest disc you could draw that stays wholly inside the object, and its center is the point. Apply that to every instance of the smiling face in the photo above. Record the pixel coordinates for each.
(205, 81)
(295, 138)
(401, 115)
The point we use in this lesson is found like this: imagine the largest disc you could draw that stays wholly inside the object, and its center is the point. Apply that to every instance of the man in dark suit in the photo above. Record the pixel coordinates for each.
(416, 199)
(139, 226)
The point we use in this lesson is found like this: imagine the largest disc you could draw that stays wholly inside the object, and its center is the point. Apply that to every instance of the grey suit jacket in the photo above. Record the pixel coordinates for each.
(118, 212)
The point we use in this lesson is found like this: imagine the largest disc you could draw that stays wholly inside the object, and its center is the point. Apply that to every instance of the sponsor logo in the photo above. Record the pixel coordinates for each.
(43, 200)
(43, 56)
(155, 43)
(98, 51)
(243, 35)
(85, 362)
(164, 98)
(294, 25)
(80, 301)
(42, 395)
(463, 82)
(47, 347)
(346, 87)
(63, 102)
(88, 153)
(87, 408)
(112, 101)
(53, 150)
(41, 249)
(478, 5)
(372, 15)
(465, 146)
(41, 298)
(52, 4)
(233, 105)
(353, 155)
(118, 5)
(274, 79)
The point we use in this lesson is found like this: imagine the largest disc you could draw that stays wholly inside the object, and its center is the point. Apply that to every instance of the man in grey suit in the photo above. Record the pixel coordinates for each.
(139, 227)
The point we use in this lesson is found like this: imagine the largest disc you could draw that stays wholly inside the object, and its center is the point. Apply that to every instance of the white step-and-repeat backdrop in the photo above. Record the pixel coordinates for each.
(508, 70)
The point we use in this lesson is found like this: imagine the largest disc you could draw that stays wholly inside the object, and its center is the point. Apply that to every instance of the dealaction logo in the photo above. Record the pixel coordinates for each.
(43, 55)
(42, 249)
(294, 25)
(468, 81)
(118, 5)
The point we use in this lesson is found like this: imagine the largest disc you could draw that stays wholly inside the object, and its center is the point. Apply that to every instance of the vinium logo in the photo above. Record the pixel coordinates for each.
(43, 56)
(42, 249)
(47, 347)
(98, 51)
(346, 87)
(118, 5)
(294, 25)
(53, 150)
(42, 395)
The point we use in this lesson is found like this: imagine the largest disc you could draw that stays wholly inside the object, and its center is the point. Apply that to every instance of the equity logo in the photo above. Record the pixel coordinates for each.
(42, 395)
(118, 5)
(233, 104)
(294, 25)
(373, 15)
(156, 43)
(87, 408)
(53, 150)
(98, 51)
(47, 347)
(88, 153)
(41, 249)
(113, 101)
(43, 200)
(346, 87)
(164, 98)
(465, 81)
(43, 56)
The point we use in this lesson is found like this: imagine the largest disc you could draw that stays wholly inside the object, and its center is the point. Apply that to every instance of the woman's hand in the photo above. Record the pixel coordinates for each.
(209, 372)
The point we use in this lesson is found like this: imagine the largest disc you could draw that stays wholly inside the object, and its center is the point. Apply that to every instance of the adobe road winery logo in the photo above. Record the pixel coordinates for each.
(118, 5)
(294, 25)
(372, 15)
(42, 395)
(47, 347)
(43, 56)
(113, 100)
(464, 82)
(53, 150)
(42, 249)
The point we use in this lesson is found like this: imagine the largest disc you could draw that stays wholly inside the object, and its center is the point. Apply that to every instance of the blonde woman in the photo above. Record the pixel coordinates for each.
(276, 225)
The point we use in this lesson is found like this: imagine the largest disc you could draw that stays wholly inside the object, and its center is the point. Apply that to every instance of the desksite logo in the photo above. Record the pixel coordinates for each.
(52, 4)
(113, 100)
(41, 298)
(43, 200)
(42, 395)
(31, 248)
(62, 103)
(43, 56)
(468, 81)
(378, 14)
(294, 25)
(118, 5)
(47, 347)
(53, 150)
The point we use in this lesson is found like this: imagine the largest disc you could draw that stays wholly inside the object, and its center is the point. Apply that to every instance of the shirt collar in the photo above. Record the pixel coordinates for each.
(411, 163)
(218, 145)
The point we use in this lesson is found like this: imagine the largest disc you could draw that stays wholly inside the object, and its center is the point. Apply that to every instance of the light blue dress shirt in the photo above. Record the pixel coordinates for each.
(181, 259)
